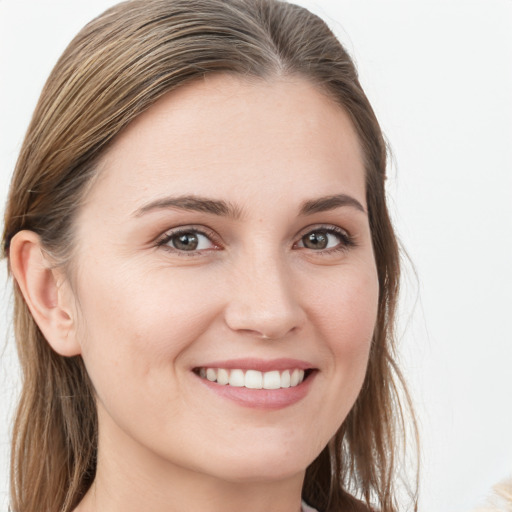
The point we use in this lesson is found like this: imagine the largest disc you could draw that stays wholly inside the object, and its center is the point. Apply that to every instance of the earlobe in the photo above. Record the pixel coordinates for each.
(45, 291)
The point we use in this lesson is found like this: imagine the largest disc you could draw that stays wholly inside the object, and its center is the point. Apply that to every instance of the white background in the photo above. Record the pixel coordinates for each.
(439, 74)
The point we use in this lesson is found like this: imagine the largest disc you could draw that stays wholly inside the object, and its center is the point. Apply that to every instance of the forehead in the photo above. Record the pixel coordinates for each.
(283, 134)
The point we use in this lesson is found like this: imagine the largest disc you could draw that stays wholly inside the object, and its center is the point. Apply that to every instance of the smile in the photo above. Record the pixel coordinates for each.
(253, 379)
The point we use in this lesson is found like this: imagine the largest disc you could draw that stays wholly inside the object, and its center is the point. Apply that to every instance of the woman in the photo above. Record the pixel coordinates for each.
(206, 274)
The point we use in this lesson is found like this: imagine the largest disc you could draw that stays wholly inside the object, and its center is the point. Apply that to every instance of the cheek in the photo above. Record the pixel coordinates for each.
(359, 313)
(345, 316)
(346, 308)
(144, 307)
(136, 324)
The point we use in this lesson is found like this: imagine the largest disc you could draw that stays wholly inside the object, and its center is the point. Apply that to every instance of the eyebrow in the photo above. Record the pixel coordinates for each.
(192, 203)
(225, 209)
(324, 204)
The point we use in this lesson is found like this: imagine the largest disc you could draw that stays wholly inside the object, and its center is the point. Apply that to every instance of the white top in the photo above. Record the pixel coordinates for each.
(307, 508)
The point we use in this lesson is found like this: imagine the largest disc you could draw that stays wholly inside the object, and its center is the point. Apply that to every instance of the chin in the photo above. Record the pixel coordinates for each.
(272, 471)
(265, 465)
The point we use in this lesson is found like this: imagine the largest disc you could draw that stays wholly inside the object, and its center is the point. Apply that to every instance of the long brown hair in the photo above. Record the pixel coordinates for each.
(114, 69)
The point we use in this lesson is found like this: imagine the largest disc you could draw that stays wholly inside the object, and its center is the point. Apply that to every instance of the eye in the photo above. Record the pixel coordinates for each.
(187, 240)
(325, 239)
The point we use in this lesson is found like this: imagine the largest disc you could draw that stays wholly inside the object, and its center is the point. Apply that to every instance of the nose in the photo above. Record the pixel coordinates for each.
(264, 300)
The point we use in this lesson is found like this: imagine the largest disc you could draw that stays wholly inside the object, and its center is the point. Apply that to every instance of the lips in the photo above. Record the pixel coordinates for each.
(256, 383)
(253, 379)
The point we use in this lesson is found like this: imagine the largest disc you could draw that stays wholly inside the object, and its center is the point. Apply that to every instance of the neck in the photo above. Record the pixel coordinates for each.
(194, 495)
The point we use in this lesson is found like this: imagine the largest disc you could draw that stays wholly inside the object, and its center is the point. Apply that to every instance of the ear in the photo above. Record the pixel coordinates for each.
(46, 292)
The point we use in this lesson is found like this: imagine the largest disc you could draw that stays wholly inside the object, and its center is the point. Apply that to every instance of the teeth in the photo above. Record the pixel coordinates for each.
(253, 379)
(222, 376)
(237, 378)
(271, 380)
(294, 378)
(285, 379)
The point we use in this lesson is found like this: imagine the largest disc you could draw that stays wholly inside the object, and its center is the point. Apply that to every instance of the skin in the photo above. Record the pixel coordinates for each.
(144, 315)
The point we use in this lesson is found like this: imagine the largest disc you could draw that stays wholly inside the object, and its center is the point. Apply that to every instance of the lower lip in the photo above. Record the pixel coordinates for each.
(269, 399)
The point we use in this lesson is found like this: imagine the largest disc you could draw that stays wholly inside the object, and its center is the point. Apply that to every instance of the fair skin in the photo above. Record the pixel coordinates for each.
(227, 230)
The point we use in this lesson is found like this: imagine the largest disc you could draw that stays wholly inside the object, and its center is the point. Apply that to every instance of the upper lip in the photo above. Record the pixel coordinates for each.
(262, 365)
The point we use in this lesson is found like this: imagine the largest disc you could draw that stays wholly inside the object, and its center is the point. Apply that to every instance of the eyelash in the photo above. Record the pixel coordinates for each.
(346, 240)
(170, 235)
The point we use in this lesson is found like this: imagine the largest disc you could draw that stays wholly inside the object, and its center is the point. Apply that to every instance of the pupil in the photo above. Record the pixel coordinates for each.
(315, 241)
(186, 242)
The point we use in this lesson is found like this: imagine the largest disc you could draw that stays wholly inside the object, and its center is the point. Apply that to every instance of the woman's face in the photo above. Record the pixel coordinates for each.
(225, 247)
